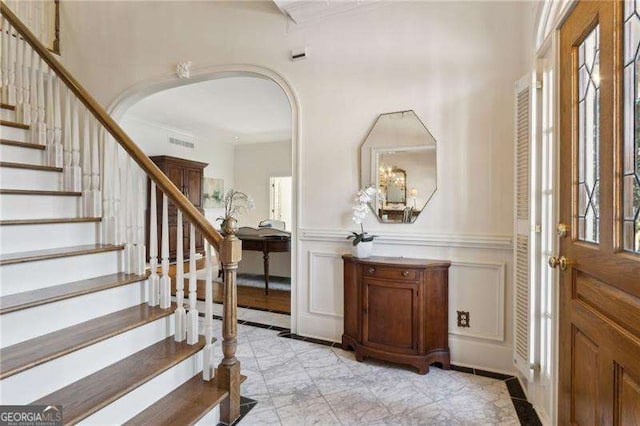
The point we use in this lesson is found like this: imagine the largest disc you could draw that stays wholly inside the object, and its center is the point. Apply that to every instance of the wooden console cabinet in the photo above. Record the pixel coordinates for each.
(187, 176)
(396, 309)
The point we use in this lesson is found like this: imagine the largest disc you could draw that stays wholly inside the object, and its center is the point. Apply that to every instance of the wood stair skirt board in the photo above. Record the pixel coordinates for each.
(30, 353)
(83, 398)
(7, 106)
(56, 253)
(39, 192)
(49, 221)
(14, 124)
(185, 405)
(41, 296)
(10, 142)
(25, 166)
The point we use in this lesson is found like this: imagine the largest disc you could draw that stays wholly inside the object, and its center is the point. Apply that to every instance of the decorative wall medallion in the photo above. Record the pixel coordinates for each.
(183, 69)
(463, 319)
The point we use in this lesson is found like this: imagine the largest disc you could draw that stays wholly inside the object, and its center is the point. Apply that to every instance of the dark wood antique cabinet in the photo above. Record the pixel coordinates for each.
(396, 309)
(187, 176)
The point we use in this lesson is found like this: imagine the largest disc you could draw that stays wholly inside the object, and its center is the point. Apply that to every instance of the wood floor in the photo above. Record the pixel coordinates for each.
(277, 300)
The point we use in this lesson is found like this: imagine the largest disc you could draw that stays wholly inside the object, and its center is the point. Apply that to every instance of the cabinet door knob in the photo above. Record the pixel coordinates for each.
(405, 273)
(371, 270)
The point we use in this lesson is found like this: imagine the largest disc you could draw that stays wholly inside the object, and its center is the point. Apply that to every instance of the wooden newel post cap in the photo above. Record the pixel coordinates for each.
(230, 250)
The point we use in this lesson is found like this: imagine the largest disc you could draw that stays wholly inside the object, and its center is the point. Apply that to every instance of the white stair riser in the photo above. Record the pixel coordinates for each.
(65, 313)
(15, 238)
(43, 379)
(38, 206)
(28, 276)
(30, 179)
(142, 397)
(15, 134)
(211, 418)
(17, 154)
(7, 114)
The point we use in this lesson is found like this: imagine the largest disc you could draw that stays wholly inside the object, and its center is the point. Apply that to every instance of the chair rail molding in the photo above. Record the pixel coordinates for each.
(481, 241)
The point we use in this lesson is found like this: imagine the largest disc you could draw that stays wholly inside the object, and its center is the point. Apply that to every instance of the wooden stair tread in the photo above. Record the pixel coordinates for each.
(22, 144)
(49, 221)
(88, 395)
(41, 296)
(14, 124)
(185, 405)
(7, 106)
(25, 355)
(25, 166)
(39, 192)
(55, 253)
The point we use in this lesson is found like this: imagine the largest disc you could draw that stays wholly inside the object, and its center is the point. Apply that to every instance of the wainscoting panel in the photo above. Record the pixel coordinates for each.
(477, 288)
(479, 283)
(325, 284)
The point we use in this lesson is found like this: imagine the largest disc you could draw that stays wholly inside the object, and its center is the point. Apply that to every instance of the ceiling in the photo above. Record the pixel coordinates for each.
(301, 11)
(238, 110)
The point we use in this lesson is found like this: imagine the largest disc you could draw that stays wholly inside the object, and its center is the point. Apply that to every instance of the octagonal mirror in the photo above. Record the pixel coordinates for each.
(399, 158)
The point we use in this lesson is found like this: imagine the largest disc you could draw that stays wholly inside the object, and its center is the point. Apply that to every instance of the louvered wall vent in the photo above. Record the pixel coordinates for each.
(180, 142)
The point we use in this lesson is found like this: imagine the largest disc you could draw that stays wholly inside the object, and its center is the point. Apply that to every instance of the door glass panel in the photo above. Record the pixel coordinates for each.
(631, 153)
(588, 138)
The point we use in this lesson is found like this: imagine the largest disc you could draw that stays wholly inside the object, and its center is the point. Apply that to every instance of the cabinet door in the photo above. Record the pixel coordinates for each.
(175, 173)
(193, 185)
(391, 316)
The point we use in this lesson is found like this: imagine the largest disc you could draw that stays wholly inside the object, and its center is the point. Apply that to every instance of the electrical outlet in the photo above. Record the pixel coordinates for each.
(463, 319)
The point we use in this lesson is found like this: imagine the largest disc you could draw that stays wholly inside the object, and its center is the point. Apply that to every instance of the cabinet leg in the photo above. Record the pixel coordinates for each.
(359, 356)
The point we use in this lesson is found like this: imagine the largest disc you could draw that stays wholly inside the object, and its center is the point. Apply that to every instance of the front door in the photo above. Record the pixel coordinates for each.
(599, 259)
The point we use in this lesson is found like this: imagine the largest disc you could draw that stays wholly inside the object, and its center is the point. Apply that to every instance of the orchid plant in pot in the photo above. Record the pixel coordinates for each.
(235, 203)
(362, 242)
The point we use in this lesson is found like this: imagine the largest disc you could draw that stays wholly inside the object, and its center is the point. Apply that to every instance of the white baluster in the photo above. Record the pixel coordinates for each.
(154, 279)
(165, 280)
(181, 314)
(11, 66)
(4, 59)
(86, 166)
(49, 114)
(117, 220)
(128, 207)
(192, 315)
(33, 96)
(26, 81)
(107, 191)
(96, 208)
(55, 153)
(139, 229)
(207, 353)
(20, 65)
(72, 173)
(41, 128)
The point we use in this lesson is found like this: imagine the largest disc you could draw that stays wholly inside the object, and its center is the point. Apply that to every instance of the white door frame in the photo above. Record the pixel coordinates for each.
(133, 95)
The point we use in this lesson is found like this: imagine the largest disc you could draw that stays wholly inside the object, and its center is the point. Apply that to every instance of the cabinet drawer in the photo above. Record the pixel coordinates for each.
(405, 274)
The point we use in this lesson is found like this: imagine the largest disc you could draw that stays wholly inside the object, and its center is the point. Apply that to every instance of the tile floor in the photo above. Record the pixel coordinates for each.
(298, 382)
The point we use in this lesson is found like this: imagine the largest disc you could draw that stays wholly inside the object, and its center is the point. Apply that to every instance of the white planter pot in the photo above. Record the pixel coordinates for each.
(363, 250)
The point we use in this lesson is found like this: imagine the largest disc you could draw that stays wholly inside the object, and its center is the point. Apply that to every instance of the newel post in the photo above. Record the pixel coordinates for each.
(229, 369)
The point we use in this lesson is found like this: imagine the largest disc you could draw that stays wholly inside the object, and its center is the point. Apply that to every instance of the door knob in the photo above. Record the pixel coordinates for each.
(562, 229)
(562, 262)
(405, 273)
(371, 270)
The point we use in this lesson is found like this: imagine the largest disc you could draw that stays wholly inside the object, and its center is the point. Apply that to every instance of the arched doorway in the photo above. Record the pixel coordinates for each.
(124, 103)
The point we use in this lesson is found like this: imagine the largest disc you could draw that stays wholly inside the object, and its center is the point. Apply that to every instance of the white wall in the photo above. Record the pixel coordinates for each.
(453, 63)
(254, 165)
(153, 138)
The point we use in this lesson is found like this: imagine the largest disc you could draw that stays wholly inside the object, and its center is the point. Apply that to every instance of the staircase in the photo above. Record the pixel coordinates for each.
(85, 323)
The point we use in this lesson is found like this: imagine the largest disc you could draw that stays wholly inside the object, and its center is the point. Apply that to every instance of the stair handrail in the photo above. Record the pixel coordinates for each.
(100, 114)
